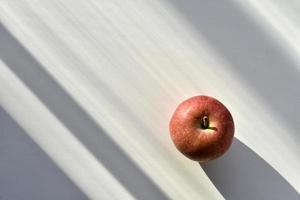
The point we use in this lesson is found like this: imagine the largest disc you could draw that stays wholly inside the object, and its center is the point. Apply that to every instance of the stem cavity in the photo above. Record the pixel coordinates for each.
(204, 122)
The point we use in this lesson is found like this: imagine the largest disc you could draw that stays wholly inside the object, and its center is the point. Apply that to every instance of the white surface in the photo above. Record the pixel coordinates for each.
(57, 141)
(128, 64)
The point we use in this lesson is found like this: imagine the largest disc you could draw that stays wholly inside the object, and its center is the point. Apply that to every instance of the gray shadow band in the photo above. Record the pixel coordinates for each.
(76, 119)
(242, 174)
(26, 171)
(255, 55)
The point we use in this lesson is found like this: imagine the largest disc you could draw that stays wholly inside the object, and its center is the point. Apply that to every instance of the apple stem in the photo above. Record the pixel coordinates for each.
(205, 122)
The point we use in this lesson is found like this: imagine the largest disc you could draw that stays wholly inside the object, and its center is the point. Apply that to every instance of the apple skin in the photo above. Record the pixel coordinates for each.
(202, 128)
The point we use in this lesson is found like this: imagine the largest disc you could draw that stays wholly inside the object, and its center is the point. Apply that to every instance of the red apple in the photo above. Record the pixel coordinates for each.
(202, 128)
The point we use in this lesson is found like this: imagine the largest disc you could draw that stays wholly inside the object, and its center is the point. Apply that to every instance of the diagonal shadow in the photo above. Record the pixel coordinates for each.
(242, 174)
(251, 52)
(26, 171)
(76, 119)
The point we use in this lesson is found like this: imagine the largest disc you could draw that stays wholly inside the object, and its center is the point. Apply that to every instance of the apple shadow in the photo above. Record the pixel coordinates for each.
(242, 174)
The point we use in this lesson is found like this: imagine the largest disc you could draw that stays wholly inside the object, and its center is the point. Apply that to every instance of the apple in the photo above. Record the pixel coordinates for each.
(202, 128)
